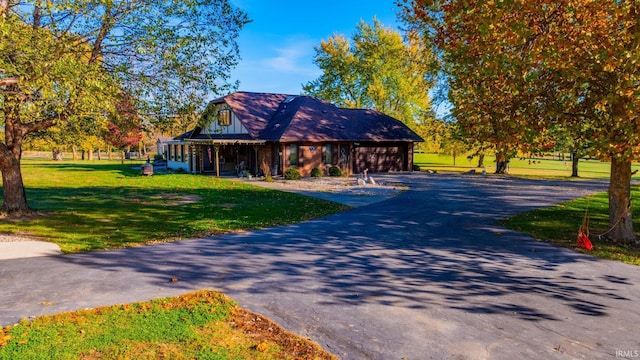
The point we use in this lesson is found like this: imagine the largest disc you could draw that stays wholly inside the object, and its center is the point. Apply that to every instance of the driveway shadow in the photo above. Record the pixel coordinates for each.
(435, 242)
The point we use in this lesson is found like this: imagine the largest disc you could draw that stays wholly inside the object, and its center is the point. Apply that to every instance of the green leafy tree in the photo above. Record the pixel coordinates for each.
(519, 68)
(452, 143)
(63, 62)
(63, 137)
(376, 69)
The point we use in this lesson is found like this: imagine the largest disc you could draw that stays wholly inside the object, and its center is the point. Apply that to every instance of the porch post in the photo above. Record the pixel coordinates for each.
(283, 157)
(216, 149)
(255, 148)
(194, 159)
(237, 161)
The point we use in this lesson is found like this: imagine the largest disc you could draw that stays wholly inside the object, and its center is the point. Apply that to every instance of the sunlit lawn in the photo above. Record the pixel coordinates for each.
(200, 325)
(91, 205)
(529, 167)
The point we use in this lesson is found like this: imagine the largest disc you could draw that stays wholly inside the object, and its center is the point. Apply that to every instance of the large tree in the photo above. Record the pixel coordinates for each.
(376, 69)
(536, 65)
(66, 61)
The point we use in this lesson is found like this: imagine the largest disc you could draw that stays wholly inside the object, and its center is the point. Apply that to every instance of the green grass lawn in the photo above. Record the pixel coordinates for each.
(93, 205)
(525, 167)
(560, 224)
(200, 325)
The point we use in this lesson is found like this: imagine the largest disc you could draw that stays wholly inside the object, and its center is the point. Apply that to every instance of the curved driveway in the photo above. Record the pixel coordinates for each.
(425, 275)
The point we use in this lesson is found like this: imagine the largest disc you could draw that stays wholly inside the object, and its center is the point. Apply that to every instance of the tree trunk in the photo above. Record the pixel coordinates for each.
(480, 160)
(15, 198)
(620, 225)
(14, 201)
(501, 163)
(574, 164)
(75, 152)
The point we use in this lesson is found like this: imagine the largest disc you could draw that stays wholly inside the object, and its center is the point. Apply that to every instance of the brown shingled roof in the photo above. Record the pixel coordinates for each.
(290, 118)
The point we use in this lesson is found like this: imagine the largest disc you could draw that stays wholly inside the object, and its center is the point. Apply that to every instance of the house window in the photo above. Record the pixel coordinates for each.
(328, 154)
(224, 117)
(293, 155)
(185, 153)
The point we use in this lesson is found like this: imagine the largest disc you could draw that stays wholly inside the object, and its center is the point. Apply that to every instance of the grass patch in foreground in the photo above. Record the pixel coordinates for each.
(199, 325)
(94, 205)
(559, 225)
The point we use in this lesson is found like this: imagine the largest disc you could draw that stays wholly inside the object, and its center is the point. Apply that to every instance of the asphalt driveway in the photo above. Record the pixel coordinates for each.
(425, 275)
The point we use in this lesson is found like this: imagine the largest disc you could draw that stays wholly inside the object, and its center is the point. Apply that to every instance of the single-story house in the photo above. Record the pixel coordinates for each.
(253, 131)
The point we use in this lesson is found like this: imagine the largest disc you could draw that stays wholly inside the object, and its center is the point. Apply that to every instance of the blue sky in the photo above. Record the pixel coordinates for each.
(277, 47)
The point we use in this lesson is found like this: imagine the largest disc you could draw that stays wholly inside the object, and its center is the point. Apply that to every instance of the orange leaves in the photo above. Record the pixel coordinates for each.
(144, 307)
(263, 347)
(6, 337)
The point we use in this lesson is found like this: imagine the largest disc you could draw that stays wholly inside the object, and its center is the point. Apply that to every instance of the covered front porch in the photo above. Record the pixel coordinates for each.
(225, 157)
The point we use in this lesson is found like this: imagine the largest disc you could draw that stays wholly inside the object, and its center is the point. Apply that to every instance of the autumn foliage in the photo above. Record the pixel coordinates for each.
(523, 73)
(124, 129)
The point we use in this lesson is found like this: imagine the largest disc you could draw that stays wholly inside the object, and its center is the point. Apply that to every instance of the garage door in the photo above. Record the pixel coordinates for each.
(379, 159)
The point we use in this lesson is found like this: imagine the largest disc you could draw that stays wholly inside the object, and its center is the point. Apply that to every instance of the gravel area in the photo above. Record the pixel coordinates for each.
(16, 238)
(338, 185)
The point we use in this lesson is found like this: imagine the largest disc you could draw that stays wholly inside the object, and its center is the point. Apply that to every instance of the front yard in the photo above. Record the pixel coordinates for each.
(95, 205)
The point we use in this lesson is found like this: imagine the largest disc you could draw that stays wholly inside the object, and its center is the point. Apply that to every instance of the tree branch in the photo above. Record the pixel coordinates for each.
(39, 125)
(12, 80)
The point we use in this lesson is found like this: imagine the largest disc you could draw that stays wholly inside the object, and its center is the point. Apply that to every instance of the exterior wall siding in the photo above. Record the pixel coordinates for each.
(309, 157)
(235, 127)
(312, 155)
(265, 155)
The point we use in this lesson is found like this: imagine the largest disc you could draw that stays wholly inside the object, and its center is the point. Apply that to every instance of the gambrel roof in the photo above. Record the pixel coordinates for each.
(298, 118)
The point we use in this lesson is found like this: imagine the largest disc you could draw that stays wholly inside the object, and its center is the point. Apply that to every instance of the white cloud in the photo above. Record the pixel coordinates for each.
(281, 69)
(296, 58)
